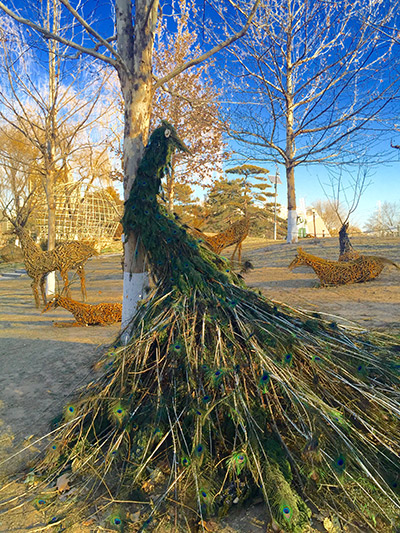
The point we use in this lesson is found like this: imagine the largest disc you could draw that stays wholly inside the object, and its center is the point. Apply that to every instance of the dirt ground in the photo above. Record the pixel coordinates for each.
(373, 305)
(41, 365)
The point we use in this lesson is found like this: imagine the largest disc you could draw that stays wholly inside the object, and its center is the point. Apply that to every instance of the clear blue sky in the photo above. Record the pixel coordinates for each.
(385, 187)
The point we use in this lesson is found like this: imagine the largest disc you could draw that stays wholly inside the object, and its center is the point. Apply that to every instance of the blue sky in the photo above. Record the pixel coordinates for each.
(385, 187)
(385, 179)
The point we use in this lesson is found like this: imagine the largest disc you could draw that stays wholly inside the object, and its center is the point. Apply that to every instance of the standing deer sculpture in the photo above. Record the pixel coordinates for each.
(234, 234)
(64, 257)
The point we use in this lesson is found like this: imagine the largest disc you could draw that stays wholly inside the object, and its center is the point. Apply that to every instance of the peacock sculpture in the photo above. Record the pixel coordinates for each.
(219, 396)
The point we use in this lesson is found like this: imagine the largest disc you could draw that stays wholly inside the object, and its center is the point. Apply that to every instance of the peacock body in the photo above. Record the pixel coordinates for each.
(222, 394)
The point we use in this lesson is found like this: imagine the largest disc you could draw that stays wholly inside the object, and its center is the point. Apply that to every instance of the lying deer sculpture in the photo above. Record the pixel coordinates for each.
(101, 314)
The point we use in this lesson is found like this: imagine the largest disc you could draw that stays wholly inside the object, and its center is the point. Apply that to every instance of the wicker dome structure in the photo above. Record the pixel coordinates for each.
(87, 214)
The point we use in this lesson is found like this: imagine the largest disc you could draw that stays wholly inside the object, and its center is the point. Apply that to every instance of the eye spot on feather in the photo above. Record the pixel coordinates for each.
(288, 358)
(199, 449)
(185, 461)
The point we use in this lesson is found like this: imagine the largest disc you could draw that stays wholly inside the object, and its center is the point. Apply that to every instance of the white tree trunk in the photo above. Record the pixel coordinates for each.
(292, 233)
(50, 284)
(134, 291)
(135, 44)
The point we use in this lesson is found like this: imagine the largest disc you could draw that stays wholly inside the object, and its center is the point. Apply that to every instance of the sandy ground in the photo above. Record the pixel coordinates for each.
(373, 305)
(41, 365)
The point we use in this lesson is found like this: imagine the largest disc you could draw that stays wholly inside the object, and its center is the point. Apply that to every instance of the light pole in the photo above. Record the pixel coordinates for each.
(315, 229)
(275, 180)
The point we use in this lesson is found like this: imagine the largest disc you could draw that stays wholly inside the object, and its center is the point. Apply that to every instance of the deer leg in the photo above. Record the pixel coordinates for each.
(240, 251)
(35, 291)
(234, 251)
(81, 273)
(43, 289)
(64, 276)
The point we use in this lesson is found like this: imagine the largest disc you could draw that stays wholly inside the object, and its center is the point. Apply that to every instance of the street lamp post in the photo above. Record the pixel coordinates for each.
(315, 228)
(275, 180)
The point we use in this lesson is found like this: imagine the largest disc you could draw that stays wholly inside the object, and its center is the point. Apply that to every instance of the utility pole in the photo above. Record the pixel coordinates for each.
(315, 228)
(275, 180)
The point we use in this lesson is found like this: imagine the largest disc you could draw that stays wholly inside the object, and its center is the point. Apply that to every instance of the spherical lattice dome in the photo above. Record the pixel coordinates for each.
(89, 215)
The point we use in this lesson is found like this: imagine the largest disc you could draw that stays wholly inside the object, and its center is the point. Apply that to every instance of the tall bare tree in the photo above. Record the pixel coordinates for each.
(132, 57)
(318, 83)
(50, 114)
(385, 220)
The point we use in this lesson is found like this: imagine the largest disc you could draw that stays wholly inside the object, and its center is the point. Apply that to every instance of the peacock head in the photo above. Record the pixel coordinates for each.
(167, 133)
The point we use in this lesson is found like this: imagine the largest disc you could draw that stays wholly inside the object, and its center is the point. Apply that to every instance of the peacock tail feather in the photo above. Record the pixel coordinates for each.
(222, 394)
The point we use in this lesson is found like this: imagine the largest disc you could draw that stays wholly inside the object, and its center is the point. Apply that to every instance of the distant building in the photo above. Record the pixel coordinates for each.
(309, 223)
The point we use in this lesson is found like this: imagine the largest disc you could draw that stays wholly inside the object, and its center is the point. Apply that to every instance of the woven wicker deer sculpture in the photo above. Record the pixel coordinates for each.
(364, 268)
(38, 263)
(102, 314)
(234, 234)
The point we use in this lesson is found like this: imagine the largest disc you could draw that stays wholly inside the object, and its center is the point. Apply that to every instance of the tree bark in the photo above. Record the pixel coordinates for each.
(292, 235)
(135, 45)
(51, 229)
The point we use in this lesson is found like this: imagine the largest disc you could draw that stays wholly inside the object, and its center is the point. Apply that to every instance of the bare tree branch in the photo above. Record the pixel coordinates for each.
(50, 35)
(203, 57)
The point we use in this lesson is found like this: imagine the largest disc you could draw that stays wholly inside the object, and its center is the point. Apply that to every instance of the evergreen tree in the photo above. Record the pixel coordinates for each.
(185, 204)
(230, 199)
